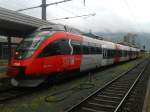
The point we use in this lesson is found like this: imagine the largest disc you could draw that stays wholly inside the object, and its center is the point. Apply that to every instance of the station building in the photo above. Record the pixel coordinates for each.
(4, 51)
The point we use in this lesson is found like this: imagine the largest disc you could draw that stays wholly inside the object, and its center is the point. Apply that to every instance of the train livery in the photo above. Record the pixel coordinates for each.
(57, 49)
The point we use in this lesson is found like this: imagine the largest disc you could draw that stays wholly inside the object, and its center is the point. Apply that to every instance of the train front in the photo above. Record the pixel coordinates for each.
(22, 67)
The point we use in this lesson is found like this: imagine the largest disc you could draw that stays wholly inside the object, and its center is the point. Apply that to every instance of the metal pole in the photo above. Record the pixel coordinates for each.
(44, 9)
(9, 48)
(1, 50)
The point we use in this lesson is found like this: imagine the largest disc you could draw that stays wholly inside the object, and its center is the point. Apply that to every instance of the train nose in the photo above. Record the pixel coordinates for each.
(15, 71)
(12, 71)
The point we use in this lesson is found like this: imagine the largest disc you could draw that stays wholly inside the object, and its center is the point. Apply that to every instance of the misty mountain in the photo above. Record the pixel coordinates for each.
(141, 38)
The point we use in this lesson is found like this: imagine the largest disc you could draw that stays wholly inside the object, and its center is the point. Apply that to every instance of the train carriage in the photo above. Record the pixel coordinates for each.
(91, 53)
(57, 49)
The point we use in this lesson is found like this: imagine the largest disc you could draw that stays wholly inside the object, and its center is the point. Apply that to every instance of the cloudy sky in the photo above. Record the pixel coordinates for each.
(111, 15)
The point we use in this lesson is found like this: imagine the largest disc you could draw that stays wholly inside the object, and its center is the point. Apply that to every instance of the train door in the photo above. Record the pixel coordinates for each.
(98, 55)
(51, 55)
(73, 61)
(87, 57)
(104, 58)
(68, 59)
(130, 54)
(117, 54)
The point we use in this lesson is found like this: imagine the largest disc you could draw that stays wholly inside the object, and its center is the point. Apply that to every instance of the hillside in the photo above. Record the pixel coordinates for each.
(142, 38)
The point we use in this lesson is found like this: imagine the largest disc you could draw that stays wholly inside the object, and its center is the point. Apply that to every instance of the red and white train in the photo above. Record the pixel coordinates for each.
(56, 48)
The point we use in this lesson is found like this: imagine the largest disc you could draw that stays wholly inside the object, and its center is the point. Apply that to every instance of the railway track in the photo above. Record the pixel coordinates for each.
(112, 96)
(11, 93)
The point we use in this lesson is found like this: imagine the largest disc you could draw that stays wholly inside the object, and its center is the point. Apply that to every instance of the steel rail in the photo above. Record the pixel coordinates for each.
(131, 88)
(107, 85)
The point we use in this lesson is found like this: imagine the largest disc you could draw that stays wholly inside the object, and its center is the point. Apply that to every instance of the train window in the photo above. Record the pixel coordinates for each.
(64, 46)
(127, 53)
(77, 48)
(52, 49)
(75, 31)
(93, 50)
(104, 53)
(111, 53)
(86, 49)
(124, 53)
(114, 53)
(108, 53)
(99, 50)
(120, 53)
(34, 40)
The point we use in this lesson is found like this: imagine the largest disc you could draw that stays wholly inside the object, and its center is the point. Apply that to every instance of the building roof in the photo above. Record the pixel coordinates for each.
(13, 23)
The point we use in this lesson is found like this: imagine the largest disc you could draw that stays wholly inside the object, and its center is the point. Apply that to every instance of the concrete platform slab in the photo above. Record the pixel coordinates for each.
(146, 107)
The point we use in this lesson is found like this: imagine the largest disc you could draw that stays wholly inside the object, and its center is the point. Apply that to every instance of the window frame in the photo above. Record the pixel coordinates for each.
(60, 48)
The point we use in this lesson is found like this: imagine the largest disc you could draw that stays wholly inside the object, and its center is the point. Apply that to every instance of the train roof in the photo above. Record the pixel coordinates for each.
(54, 27)
(91, 35)
(105, 44)
(108, 44)
(59, 27)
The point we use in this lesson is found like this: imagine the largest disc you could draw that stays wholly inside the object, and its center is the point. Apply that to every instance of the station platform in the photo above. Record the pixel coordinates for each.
(146, 107)
(3, 68)
(3, 75)
(3, 63)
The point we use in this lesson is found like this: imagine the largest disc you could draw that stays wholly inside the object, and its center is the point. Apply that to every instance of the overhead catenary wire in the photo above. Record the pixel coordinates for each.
(83, 17)
(71, 17)
(73, 13)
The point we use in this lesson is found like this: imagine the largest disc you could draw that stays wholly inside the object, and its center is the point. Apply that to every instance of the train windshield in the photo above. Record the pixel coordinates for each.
(31, 43)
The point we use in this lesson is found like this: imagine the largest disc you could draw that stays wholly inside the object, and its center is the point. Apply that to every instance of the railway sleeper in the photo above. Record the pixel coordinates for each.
(117, 86)
(113, 94)
(121, 84)
(116, 92)
(109, 97)
(129, 80)
(86, 109)
(105, 102)
(117, 89)
(102, 104)
(108, 101)
(100, 107)
(125, 109)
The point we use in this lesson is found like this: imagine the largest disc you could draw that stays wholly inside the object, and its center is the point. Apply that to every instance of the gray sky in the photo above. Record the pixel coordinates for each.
(111, 15)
